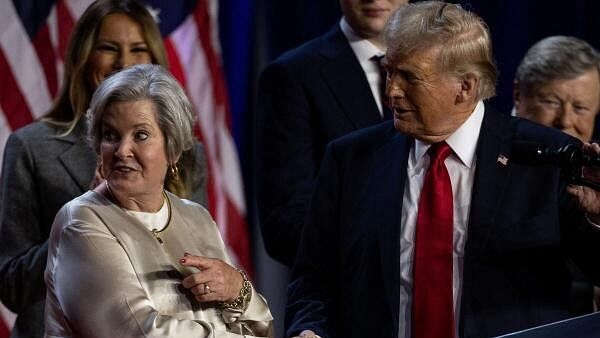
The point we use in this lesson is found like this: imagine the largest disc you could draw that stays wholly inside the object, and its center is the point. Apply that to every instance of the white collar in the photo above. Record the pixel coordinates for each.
(463, 141)
(363, 48)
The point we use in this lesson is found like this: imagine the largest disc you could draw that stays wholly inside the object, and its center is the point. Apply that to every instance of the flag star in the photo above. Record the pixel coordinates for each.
(155, 12)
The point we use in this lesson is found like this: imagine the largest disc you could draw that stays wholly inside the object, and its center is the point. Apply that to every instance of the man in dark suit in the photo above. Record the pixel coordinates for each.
(307, 97)
(509, 227)
(557, 84)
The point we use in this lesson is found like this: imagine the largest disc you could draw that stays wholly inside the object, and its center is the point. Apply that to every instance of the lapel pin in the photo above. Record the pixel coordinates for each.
(502, 159)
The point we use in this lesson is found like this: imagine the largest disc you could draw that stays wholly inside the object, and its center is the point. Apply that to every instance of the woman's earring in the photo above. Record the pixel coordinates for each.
(174, 171)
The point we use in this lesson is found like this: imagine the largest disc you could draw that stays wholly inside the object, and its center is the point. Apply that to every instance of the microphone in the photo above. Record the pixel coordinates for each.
(569, 157)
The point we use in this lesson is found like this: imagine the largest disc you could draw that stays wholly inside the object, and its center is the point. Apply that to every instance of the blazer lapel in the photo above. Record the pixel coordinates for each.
(387, 178)
(347, 80)
(78, 159)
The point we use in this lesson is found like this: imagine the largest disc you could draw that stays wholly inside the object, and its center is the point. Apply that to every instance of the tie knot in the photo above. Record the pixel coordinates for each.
(439, 151)
(377, 58)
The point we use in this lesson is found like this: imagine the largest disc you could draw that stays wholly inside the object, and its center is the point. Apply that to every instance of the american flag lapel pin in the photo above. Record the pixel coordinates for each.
(502, 159)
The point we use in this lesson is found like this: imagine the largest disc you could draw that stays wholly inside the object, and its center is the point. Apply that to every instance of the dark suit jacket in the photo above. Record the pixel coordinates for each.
(307, 97)
(42, 171)
(522, 229)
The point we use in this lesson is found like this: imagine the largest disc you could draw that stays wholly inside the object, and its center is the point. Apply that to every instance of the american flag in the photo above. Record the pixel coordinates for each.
(33, 39)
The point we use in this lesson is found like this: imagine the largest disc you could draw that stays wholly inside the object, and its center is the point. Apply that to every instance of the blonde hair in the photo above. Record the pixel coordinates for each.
(75, 93)
(462, 36)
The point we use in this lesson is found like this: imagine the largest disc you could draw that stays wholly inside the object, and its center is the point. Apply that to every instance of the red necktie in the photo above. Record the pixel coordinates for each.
(433, 310)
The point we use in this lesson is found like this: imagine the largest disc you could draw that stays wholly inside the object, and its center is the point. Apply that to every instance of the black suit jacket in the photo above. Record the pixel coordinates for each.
(522, 229)
(307, 97)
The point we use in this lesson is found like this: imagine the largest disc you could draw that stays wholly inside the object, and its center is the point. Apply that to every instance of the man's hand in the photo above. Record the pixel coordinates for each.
(588, 199)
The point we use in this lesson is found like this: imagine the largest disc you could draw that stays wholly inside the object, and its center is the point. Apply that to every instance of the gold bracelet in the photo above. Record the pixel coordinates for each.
(243, 298)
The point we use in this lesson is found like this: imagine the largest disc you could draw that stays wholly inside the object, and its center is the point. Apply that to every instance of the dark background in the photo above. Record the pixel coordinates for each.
(279, 25)
(515, 25)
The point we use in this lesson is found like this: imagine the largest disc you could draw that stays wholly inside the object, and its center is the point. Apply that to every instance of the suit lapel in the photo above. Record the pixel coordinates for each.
(387, 177)
(491, 177)
(78, 158)
(347, 80)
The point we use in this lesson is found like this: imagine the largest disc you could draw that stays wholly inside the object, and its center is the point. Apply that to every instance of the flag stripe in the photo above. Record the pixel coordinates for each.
(45, 51)
(237, 237)
(185, 40)
(177, 69)
(65, 24)
(4, 133)
(175, 66)
(211, 106)
(7, 320)
(11, 99)
(231, 202)
(76, 7)
(203, 22)
(192, 61)
(22, 59)
(4, 329)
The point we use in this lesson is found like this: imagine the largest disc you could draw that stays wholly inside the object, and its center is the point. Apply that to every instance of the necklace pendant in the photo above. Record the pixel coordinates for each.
(155, 233)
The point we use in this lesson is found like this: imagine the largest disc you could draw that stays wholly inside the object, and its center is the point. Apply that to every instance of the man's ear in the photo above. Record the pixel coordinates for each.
(516, 94)
(468, 88)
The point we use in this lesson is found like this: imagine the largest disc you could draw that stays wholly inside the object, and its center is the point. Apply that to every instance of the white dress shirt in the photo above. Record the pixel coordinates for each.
(365, 51)
(461, 168)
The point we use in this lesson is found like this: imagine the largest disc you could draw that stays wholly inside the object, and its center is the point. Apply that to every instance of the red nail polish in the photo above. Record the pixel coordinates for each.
(182, 260)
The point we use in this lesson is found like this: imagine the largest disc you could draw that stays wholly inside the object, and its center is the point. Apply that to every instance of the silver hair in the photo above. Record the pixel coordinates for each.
(174, 113)
(462, 37)
(556, 57)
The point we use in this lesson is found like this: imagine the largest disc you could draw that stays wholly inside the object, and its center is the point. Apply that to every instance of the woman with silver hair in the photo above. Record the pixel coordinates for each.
(130, 258)
(48, 162)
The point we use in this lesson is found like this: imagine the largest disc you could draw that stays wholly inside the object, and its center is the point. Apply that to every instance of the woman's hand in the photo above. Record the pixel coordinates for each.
(307, 334)
(216, 280)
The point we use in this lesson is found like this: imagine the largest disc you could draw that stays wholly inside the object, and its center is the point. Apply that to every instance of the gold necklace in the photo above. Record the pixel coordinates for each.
(155, 232)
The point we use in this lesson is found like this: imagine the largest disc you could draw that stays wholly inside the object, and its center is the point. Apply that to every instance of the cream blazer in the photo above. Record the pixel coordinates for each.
(107, 276)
